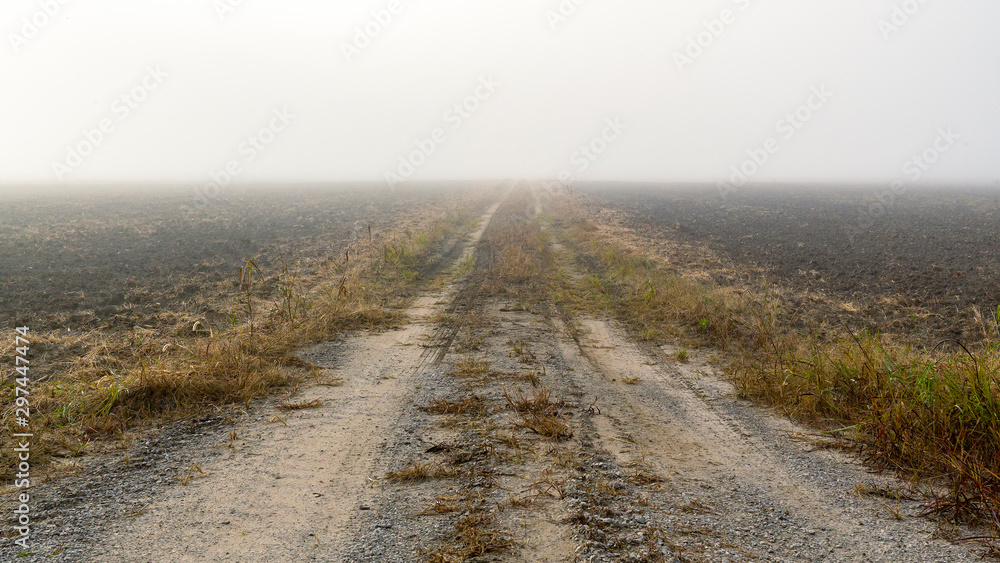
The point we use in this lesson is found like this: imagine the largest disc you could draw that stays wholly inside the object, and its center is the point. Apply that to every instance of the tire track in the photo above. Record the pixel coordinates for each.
(290, 488)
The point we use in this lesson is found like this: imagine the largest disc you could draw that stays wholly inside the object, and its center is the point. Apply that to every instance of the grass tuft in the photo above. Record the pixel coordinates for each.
(471, 405)
(928, 411)
(112, 381)
(471, 367)
(314, 404)
(417, 472)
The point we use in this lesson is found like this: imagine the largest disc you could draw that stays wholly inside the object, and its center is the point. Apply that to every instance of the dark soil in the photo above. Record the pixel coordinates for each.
(118, 259)
(918, 263)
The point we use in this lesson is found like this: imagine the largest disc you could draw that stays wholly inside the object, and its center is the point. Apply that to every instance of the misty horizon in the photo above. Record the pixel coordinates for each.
(732, 94)
(505, 280)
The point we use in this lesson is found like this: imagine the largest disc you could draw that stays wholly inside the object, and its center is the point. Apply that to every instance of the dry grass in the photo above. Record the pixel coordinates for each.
(471, 367)
(927, 411)
(314, 404)
(548, 484)
(447, 504)
(471, 405)
(417, 472)
(191, 473)
(876, 490)
(511, 264)
(474, 536)
(540, 401)
(532, 378)
(547, 425)
(643, 477)
(539, 412)
(110, 382)
(519, 259)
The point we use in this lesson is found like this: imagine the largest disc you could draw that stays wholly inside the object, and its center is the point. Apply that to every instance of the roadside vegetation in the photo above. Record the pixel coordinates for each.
(518, 258)
(930, 411)
(115, 381)
(507, 428)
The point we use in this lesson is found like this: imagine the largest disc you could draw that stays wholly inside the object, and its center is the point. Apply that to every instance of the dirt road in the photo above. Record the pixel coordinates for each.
(493, 427)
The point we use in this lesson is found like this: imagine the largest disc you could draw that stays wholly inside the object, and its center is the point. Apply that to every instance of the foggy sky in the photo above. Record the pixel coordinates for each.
(297, 90)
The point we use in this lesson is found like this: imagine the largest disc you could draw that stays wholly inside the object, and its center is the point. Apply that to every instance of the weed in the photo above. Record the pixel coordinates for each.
(475, 535)
(471, 367)
(314, 404)
(181, 364)
(642, 477)
(417, 472)
(873, 489)
(925, 411)
(539, 402)
(548, 484)
(547, 425)
(444, 505)
(186, 477)
(695, 506)
(471, 405)
(522, 502)
(683, 355)
(290, 304)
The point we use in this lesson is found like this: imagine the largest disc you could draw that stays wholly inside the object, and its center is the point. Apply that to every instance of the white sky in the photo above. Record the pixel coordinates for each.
(557, 89)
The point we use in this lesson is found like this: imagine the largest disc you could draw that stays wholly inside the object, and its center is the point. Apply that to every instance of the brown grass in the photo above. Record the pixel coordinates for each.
(547, 425)
(539, 412)
(471, 367)
(446, 504)
(519, 259)
(474, 536)
(110, 382)
(643, 477)
(540, 401)
(417, 472)
(314, 404)
(548, 484)
(929, 411)
(470, 405)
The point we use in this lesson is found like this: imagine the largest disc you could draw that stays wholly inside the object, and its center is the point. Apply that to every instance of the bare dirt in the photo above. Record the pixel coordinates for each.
(116, 260)
(651, 459)
(919, 263)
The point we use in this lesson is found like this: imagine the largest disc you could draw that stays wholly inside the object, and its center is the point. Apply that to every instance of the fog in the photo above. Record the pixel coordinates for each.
(404, 91)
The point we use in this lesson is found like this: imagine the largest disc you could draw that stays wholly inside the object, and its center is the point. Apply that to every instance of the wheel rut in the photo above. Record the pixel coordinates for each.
(530, 434)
